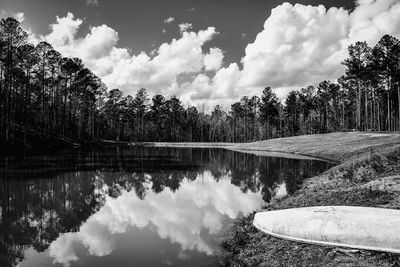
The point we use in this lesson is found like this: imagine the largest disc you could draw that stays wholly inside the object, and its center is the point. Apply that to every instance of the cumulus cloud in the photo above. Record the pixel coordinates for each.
(96, 49)
(295, 45)
(374, 18)
(180, 56)
(302, 45)
(92, 2)
(221, 89)
(200, 207)
(19, 16)
(183, 27)
(169, 20)
(63, 32)
(158, 71)
(213, 60)
(63, 250)
(299, 45)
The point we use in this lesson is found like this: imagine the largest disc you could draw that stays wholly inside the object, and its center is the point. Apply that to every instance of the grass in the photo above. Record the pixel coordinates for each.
(367, 175)
(337, 147)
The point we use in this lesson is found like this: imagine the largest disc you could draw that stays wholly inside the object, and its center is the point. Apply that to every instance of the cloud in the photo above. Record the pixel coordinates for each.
(372, 19)
(96, 49)
(19, 16)
(200, 209)
(92, 2)
(294, 47)
(222, 86)
(213, 60)
(192, 9)
(63, 32)
(183, 27)
(158, 71)
(164, 31)
(63, 250)
(302, 45)
(169, 20)
(299, 45)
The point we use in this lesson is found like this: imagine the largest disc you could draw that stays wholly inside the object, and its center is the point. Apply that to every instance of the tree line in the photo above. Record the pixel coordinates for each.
(44, 93)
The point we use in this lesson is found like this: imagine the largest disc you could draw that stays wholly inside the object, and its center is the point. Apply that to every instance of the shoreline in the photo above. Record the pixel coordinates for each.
(367, 174)
(234, 147)
(332, 147)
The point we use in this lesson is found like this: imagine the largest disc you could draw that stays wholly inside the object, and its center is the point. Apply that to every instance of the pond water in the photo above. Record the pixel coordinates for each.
(133, 206)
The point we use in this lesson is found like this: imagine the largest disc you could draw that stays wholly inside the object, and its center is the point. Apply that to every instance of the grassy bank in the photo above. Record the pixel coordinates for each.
(367, 174)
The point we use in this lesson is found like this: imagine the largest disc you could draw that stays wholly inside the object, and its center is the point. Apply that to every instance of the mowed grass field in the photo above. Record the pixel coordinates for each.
(337, 147)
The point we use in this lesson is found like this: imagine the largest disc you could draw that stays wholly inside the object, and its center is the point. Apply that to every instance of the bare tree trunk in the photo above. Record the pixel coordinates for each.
(398, 104)
(358, 107)
(366, 109)
(388, 112)
(343, 123)
(379, 117)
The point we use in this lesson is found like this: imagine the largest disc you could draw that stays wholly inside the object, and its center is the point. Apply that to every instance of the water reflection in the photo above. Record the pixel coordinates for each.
(189, 217)
(103, 206)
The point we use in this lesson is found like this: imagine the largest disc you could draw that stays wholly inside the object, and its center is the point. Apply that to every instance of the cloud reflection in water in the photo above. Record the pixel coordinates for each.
(182, 217)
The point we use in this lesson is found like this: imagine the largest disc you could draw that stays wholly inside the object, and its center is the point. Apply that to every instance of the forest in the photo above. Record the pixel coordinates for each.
(53, 97)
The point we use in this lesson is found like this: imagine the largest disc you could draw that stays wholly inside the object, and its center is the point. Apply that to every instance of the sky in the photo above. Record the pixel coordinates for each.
(208, 51)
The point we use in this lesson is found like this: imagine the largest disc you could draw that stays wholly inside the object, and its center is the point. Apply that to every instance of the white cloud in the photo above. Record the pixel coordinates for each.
(294, 46)
(158, 71)
(372, 19)
(183, 27)
(63, 32)
(200, 206)
(223, 86)
(213, 60)
(299, 45)
(19, 16)
(92, 2)
(169, 20)
(164, 31)
(63, 250)
(303, 45)
(96, 49)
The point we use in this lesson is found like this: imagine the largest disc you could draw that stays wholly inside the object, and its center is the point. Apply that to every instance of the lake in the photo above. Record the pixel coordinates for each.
(134, 206)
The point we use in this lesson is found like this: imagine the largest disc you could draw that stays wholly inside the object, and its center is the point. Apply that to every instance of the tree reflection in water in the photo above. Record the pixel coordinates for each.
(43, 196)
